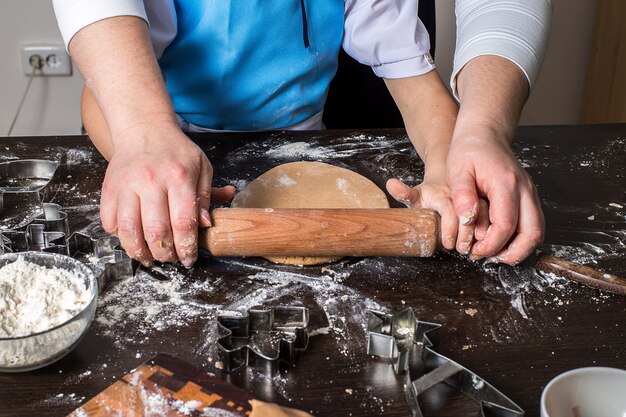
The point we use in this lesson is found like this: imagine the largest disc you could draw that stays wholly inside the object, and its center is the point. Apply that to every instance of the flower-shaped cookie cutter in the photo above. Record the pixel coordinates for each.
(119, 266)
(262, 338)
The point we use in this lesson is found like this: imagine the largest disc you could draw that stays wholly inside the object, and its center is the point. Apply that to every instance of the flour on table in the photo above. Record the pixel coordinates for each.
(78, 156)
(152, 304)
(34, 298)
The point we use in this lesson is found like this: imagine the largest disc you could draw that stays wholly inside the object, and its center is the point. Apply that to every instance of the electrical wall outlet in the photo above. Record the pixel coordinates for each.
(54, 59)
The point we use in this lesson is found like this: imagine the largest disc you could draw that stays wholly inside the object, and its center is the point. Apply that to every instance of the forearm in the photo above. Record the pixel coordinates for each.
(492, 92)
(115, 57)
(513, 29)
(429, 115)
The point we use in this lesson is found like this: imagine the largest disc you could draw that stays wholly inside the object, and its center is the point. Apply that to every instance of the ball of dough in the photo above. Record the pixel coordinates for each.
(310, 185)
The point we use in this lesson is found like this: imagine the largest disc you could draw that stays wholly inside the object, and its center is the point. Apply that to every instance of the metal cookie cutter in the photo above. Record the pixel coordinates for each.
(24, 186)
(27, 182)
(121, 266)
(403, 338)
(36, 237)
(262, 338)
(47, 232)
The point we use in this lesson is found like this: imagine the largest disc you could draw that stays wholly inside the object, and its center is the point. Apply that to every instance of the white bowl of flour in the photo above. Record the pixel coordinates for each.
(47, 302)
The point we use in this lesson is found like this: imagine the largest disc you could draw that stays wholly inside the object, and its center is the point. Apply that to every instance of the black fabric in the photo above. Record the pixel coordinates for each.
(358, 99)
(305, 25)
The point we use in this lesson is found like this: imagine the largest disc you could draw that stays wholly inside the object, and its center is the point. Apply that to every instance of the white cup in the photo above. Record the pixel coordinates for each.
(586, 392)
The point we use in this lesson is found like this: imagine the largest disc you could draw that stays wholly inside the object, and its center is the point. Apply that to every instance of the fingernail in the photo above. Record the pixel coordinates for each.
(407, 203)
(467, 217)
(147, 263)
(187, 262)
(464, 248)
(475, 257)
(206, 217)
(493, 260)
(449, 242)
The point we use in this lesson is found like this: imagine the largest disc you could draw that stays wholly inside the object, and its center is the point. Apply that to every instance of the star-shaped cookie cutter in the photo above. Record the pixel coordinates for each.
(262, 338)
(404, 339)
(392, 336)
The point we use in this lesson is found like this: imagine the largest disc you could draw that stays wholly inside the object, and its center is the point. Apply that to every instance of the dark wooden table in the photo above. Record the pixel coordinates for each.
(511, 326)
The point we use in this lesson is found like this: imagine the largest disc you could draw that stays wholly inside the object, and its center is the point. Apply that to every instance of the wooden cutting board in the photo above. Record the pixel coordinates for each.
(167, 386)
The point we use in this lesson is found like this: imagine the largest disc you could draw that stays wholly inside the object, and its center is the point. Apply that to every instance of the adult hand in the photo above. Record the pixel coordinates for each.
(480, 164)
(492, 91)
(156, 193)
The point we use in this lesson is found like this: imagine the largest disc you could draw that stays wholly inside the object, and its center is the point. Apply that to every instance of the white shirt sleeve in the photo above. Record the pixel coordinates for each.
(73, 15)
(513, 29)
(388, 36)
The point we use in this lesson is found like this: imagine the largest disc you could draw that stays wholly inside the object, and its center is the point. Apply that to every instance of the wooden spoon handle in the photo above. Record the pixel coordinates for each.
(321, 232)
(581, 274)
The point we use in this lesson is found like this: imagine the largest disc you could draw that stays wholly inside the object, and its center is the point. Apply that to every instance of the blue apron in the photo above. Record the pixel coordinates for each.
(252, 64)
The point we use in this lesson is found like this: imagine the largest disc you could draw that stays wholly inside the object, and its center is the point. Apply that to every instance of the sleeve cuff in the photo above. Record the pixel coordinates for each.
(406, 68)
(74, 15)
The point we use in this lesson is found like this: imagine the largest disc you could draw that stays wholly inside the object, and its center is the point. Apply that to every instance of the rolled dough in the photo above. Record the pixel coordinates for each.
(310, 185)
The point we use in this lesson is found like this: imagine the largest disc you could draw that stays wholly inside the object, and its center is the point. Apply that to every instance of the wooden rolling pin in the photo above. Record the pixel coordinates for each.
(355, 232)
(321, 232)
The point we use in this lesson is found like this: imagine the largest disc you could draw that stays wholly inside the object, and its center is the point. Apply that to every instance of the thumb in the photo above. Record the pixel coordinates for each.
(402, 193)
(203, 191)
(464, 196)
(222, 195)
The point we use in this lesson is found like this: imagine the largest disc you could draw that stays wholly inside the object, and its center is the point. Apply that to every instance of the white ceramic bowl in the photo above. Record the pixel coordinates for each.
(586, 392)
(24, 353)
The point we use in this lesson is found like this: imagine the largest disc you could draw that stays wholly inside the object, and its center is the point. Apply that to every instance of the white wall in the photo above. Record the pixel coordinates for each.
(52, 106)
(558, 94)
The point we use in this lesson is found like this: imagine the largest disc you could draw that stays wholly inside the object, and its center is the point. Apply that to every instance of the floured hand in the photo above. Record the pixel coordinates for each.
(156, 193)
(512, 225)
